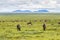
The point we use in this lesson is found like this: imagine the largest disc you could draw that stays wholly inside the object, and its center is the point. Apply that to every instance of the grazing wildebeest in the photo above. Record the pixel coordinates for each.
(29, 23)
(44, 26)
(45, 20)
(18, 27)
(58, 22)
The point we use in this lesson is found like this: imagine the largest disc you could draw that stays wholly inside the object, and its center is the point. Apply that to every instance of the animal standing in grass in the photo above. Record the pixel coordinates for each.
(18, 27)
(58, 22)
(44, 26)
(29, 23)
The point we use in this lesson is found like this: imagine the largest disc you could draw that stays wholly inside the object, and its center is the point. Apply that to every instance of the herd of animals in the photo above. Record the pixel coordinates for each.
(30, 23)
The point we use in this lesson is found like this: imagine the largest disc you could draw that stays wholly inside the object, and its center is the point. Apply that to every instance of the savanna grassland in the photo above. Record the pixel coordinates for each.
(8, 29)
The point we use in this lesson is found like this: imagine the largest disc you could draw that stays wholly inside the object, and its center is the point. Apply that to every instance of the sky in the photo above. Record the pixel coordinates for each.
(11, 5)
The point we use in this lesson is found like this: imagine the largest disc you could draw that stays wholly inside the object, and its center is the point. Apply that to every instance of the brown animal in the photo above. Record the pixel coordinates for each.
(45, 20)
(29, 23)
(58, 22)
(18, 27)
(44, 27)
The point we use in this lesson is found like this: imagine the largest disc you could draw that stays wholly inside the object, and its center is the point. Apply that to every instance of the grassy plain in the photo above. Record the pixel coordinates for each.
(8, 30)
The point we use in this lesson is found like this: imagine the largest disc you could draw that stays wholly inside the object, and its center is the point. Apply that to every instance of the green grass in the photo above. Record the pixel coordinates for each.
(8, 30)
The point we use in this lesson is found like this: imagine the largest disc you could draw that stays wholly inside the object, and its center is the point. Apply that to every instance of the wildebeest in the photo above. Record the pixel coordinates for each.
(44, 26)
(29, 23)
(45, 20)
(58, 22)
(18, 27)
